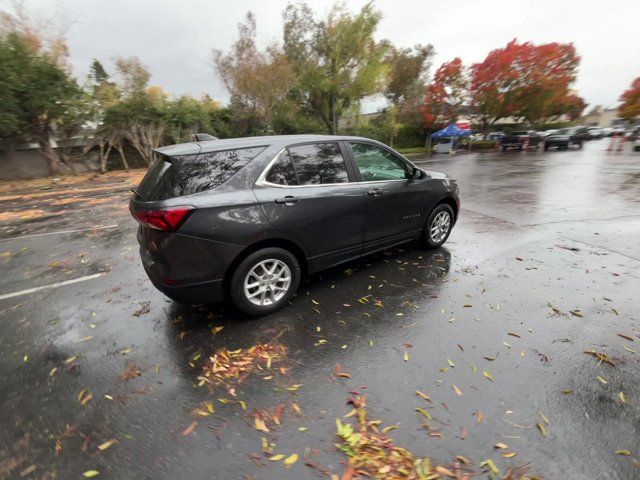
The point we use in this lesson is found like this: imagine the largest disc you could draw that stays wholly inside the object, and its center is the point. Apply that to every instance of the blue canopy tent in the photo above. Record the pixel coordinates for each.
(451, 131)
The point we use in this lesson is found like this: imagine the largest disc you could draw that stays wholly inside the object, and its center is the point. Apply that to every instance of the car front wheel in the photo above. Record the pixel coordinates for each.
(438, 227)
(265, 281)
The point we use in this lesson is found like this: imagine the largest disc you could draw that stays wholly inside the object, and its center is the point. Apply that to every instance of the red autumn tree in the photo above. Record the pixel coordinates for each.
(446, 95)
(630, 107)
(524, 80)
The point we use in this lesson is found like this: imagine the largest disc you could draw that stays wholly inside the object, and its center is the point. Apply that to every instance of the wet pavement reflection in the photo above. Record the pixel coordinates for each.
(543, 265)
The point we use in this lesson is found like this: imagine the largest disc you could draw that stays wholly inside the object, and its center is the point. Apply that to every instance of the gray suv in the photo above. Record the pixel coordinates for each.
(247, 218)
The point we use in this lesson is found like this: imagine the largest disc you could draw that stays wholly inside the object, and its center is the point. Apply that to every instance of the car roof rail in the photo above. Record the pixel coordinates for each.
(203, 137)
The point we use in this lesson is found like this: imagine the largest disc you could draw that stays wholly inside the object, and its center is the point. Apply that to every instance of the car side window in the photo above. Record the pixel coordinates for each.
(318, 163)
(375, 163)
(282, 172)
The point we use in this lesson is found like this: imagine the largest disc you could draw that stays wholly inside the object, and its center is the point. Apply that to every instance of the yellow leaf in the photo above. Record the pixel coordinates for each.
(211, 409)
(456, 389)
(293, 388)
(302, 429)
(81, 394)
(622, 399)
(107, 444)
(291, 459)
(296, 407)
(544, 419)
(405, 357)
(450, 362)
(423, 395)
(623, 452)
(509, 454)
(424, 413)
(492, 466)
(260, 425)
(500, 446)
(542, 428)
(487, 375)
(53, 371)
(70, 359)
(276, 458)
(91, 473)
(385, 430)
(602, 380)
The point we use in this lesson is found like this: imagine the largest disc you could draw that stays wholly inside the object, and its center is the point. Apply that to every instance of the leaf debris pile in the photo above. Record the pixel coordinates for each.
(230, 367)
(372, 454)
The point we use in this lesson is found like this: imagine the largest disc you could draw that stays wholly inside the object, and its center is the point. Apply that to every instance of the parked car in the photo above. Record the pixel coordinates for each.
(517, 140)
(635, 139)
(595, 133)
(607, 131)
(546, 133)
(495, 135)
(247, 218)
(567, 137)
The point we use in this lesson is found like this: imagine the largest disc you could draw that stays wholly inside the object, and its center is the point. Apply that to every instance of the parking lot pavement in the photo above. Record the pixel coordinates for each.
(543, 266)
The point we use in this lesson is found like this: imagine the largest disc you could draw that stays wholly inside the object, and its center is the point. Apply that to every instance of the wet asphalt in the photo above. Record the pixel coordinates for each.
(541, 235)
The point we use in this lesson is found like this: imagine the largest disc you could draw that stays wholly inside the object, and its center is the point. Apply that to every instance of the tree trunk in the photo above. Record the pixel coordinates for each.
(122, 156)
(53, 161)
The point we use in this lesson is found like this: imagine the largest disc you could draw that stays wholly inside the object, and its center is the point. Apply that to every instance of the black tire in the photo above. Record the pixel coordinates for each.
(426, 241)
(546, 147)
(579, 144)
(237, 290)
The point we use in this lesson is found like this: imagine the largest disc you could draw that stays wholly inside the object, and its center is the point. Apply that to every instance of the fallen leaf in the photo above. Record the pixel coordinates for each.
(424, 413)
(107, 444)
(626, 337)
(276, 458)
(444, 471)
(622, 399)
(542, 428)
(500, 446)
(479, 416)
(91, 473)
(422, 395)
(260, 425)
(189, 429)
(623, 452)
(576, 313)
(405, 357)
(509, 454)
(600, 356)
(487, 375)
(457, 390)
(291, 459)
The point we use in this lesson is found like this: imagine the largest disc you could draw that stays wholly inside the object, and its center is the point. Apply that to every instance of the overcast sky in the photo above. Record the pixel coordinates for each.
(174, 38)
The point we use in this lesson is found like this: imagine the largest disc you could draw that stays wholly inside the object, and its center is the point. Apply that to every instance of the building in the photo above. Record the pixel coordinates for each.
(606, 117)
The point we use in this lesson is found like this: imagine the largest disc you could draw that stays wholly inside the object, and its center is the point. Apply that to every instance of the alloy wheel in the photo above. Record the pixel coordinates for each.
(440, 227)
(267, 282)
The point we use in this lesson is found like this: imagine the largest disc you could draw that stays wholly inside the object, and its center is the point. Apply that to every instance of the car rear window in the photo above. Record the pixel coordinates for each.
(189, 174)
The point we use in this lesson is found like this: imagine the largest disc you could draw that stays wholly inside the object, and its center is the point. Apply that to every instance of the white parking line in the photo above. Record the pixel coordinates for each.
(52, 285)
(61, 232)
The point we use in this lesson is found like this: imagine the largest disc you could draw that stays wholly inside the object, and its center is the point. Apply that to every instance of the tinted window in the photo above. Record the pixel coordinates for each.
(378, 164)
(282, 172)
(188, 174)
(318, 163)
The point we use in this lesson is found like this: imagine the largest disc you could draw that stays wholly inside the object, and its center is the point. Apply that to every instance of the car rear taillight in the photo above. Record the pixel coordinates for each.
(166, 219)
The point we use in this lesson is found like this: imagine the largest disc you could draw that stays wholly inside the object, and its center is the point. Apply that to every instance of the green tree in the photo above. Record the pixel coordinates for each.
(40, 96)
(407, 74)
(336, 60)
(257, 80)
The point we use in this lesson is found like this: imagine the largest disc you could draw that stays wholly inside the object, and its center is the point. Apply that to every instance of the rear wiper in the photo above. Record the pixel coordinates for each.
(134, 189)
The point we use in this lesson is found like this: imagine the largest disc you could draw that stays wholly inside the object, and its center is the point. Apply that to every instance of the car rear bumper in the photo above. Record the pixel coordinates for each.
(185, 268)
(192, 293)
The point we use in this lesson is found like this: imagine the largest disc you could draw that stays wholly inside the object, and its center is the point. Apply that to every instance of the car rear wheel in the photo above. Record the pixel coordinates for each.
(265, 281)
(438, 227)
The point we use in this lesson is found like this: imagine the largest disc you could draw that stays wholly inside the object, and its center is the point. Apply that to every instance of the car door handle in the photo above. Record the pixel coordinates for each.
(376, 192)
(287, 200)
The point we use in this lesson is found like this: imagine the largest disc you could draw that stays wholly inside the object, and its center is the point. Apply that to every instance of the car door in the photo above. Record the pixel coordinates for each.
(395, 209)
(395, 203)
(308, 194)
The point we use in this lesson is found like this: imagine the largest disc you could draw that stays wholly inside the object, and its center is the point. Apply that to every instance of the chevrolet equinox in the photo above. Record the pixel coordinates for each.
(248, 217)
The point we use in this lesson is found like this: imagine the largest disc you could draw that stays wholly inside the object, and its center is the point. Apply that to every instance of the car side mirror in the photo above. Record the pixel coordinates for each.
(416, 173)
